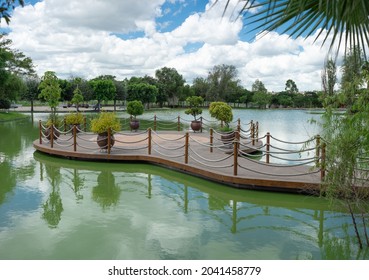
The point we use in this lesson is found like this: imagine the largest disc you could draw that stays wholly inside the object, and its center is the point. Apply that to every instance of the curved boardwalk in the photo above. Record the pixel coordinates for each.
(200, 154)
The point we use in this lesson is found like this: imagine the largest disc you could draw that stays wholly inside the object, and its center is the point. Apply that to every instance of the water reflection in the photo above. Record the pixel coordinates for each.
(284, 226)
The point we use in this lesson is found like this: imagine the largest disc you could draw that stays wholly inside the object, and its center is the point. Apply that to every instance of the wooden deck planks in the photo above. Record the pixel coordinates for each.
(168, 150)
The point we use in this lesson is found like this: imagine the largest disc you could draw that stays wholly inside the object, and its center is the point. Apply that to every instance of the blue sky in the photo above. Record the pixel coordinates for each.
(127, 38)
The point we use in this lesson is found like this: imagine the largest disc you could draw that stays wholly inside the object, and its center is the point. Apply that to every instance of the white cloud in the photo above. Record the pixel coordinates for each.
(82, 38)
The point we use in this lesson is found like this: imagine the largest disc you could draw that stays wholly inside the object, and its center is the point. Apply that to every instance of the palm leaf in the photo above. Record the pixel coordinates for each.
(305, 17)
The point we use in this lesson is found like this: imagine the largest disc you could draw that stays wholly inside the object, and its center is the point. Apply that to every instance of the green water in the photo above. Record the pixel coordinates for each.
(52, 208)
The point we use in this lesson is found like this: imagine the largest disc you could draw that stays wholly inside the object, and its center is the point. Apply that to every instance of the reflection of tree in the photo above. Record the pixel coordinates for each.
(78, 184)
(106, 192)
(335, 248)
(7, 181)
(53, 207)
(217, 203)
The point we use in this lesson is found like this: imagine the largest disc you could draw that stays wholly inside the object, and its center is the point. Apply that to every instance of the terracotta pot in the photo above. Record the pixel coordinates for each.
(102, 140)
(48, 133)
(134, 124)
(196, 125)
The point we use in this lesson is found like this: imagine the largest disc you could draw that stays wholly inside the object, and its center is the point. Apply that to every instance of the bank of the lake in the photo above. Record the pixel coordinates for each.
(11, 116)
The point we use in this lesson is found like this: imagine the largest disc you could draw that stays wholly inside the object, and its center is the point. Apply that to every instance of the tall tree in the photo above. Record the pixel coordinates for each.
(221, 80)
(104, 89)
(329, 77)
(50, 91)
(291, 87)
(170, 83)
(200, 86)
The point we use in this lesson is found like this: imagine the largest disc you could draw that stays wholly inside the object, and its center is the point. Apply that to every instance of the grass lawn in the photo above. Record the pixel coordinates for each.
(9, 116)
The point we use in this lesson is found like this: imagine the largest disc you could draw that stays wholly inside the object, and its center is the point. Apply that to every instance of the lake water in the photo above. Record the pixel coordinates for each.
(53, 208)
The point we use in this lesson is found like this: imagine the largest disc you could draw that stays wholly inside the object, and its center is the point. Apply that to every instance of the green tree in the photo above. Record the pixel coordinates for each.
(291, 87)
(221, 82)
(143, 92)
(329, 77)
(77, 98)
(50, 90)
(104, 89)
(170, 83)
(200, 87)
(32, 91)
(258, 86)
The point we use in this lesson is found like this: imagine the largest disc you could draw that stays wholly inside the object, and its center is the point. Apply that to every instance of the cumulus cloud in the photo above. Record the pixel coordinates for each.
(89, 38)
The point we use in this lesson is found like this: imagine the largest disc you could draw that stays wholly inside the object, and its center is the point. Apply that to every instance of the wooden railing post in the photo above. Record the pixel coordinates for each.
(149, 139)
(52, 136)
(40, 131)
(65, 124)
(109, 140)
(317, 149)
(253, 134)
(154, 123)
(201, 123)
(257, 130)
(186, 148)
(84, 124)
(236, 142)
(75, 138)
(239, 125)
(211, 140)
(267, 147)
(322, 162)
(179, 123)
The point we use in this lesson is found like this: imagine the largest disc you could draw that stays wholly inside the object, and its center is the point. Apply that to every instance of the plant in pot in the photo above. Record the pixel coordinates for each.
(195, 110)
(135, 108)
(101, 126)
(55, 122)
(74, 119)
(223, 112)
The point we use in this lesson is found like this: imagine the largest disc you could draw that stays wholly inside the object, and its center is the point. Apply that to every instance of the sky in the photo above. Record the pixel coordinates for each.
(125, 38)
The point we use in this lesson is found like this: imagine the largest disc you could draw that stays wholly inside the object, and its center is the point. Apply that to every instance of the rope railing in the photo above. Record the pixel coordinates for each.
(241, 152)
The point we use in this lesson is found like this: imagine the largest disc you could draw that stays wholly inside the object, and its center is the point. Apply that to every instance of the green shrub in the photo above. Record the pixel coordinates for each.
(194, 103)
(135, 108)
(74, 118)
(104, 122)
(221, 111)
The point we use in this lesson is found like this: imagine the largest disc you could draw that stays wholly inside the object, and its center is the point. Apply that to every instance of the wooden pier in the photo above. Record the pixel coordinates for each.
(200, 154)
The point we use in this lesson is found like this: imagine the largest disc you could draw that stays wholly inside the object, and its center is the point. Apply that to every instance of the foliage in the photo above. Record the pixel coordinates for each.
(135, 108)
(77, 97)
(169, 82)
(141, 91)
(305, 17)
(103, 88)
(50, 89)
(221, 111)
(194, 102)
(222, 79)
(53, 119)
(291, 87)
(4, 104)
(329, 77)
(6, 7)
(104, 121)
(74, 118)
(261, 99)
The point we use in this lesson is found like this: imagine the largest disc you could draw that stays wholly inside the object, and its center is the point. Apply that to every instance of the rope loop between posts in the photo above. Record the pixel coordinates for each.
(166, 148)
(289, 142)
(211, 166)
(210, 160)
(132, 142)
(170, 156)
(168, 139)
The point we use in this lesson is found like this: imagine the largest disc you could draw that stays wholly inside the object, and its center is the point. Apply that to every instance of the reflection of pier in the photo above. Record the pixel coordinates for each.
(242, 213)
(203, 154)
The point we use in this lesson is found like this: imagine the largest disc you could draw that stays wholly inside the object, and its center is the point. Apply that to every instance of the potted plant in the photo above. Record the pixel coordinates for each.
(223, 112)
(74, 119)
(53, 120)
(101, 126)
(194, 110)
(135, 108)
